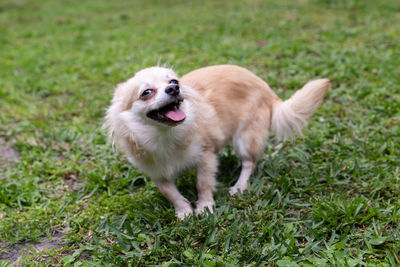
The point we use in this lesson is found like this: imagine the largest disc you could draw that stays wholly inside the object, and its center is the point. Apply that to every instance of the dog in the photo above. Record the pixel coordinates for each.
(166, 124)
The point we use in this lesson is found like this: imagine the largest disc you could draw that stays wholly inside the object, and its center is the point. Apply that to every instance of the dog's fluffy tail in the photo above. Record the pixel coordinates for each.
(291, 116)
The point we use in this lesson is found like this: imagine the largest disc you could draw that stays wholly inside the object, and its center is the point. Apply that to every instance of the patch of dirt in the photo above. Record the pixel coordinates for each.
(14, 252)
(8, 155)
(71, 181)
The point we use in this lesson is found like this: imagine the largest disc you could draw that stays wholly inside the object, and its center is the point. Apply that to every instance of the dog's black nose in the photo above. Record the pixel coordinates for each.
(172, 89)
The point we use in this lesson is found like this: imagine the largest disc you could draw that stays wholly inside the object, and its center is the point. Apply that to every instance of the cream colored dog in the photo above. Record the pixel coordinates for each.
(166, 124)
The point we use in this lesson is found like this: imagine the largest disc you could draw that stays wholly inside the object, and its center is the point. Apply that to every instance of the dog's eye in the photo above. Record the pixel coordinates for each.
(173, 81)
(147, 92)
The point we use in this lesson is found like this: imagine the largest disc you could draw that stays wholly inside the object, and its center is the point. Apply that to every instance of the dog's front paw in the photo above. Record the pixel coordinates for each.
(202, 205)
(182, 213)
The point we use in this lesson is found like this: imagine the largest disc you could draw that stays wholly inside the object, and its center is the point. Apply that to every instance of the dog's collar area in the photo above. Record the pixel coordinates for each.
(169, 114)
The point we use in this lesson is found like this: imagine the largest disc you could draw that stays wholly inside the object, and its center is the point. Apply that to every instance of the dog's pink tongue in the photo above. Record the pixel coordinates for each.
(176, 115)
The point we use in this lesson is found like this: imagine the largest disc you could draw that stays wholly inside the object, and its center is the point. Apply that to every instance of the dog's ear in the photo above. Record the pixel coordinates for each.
(121, 102)
(124, 95)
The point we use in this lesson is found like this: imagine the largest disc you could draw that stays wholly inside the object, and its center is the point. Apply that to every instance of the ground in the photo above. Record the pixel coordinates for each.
(327, 198)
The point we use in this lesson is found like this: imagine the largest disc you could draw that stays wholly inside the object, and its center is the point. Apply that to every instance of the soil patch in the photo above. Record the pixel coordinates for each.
(14, 252)
(8, 155)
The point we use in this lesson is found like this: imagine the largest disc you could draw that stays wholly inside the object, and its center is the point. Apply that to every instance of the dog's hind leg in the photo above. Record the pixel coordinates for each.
(181, 204)
(241, 184)
(206, 181)
(249, 141)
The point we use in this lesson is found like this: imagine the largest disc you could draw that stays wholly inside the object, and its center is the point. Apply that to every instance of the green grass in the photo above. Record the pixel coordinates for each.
(329, 198)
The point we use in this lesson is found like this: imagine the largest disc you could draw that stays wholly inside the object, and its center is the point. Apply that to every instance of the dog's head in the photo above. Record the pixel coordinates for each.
(154, 94)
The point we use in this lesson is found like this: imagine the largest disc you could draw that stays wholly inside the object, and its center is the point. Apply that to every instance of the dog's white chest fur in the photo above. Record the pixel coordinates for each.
(166, 154)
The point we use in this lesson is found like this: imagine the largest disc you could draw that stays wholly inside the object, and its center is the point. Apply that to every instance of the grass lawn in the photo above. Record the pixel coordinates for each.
(328, 198)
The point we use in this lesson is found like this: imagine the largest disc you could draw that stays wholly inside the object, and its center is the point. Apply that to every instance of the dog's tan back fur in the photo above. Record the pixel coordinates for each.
(233, 91)
(239, 98)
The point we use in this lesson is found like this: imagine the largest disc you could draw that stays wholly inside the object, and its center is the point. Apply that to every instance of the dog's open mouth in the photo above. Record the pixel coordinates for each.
(169, 114)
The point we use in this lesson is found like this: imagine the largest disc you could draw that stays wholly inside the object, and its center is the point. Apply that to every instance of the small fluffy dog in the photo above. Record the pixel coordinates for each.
(166, 124)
